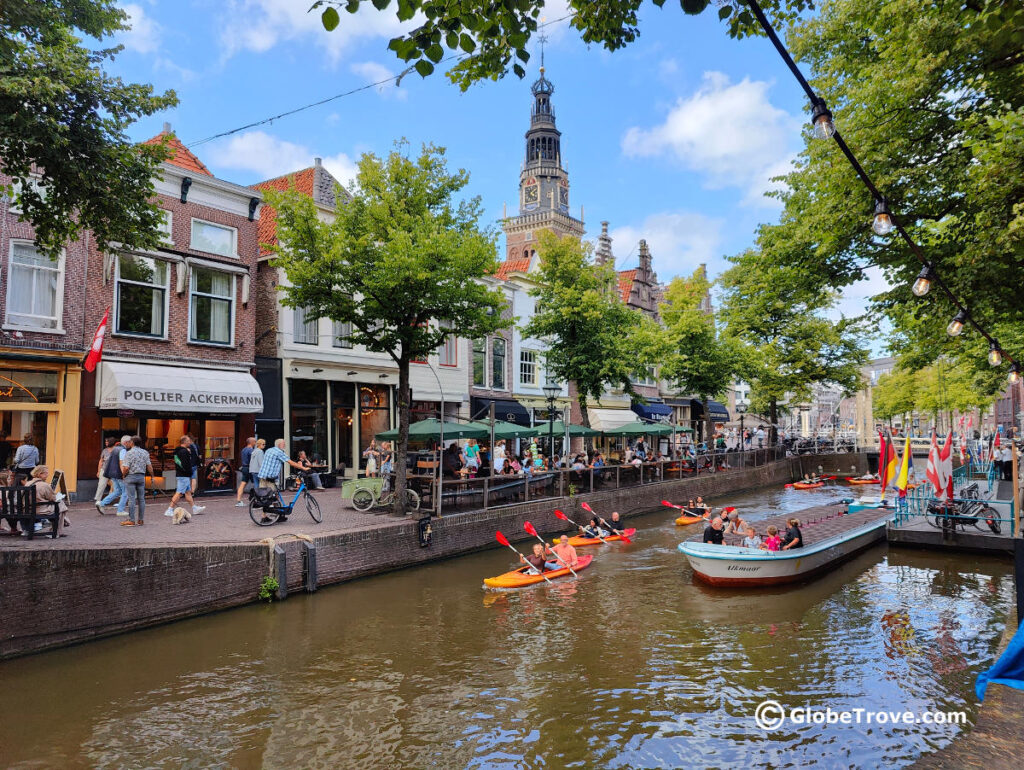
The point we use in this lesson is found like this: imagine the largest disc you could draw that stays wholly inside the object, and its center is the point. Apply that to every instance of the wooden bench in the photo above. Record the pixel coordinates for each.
(20, 505)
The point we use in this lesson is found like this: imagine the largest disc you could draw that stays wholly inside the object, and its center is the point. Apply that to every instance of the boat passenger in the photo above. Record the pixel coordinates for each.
(565, 553)
(736, 525)
(713, 533)
(752, 540)
(773, 542)
(536, 560)
(794, 537)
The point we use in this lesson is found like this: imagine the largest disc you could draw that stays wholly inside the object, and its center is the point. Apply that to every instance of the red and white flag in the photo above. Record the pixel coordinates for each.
(946, 466)
(96, 350)
(933, 472)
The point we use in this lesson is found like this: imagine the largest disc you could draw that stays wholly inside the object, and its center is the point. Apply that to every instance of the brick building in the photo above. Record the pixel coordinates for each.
(180, 345)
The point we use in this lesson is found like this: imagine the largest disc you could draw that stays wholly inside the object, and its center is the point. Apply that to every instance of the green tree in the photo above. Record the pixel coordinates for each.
(593, 338)
(491, 38)
(780, 314)
(942, 388)
(894, 395)
(699, 359)
(63, 122)
(930, 96)
(399, 257)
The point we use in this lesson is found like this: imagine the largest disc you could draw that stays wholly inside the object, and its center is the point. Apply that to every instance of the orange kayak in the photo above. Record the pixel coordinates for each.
(682, 521)
(518, 578)
(801, 485)
(579, 540)
(862, 481)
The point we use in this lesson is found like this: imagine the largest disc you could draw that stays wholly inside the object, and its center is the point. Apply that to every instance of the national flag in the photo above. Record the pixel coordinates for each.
(906, 467)
(886, 463)
(946, 465)
(96, 349)
(933, 472)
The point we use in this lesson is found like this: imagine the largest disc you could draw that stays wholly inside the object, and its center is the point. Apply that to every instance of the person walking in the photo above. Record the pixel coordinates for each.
(112, 471)
(243, 464)
(183, 459)
(135, 465)
(256, 460)
(25, 459)
(197, 460)
(102, 481)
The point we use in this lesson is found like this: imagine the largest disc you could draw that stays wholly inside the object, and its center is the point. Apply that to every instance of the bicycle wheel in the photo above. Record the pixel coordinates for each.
(991, 520)
(259, 516)
(362, 499)
(313, 507)
(412, 500)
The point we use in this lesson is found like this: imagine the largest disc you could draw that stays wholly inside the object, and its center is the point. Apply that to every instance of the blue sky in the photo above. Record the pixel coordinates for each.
(672, 139)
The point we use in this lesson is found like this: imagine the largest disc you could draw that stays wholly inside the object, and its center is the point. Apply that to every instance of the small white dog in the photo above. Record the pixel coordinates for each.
(181, 516)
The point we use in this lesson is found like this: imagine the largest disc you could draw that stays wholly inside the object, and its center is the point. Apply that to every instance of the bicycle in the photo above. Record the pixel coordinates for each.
(366, 493)
(264, 512)
(949, 517)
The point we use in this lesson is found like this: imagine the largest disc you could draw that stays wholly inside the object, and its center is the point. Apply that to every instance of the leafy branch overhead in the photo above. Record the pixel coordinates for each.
(492, 38)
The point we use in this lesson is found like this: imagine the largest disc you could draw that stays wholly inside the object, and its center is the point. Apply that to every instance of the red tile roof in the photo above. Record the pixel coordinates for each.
(513, 265)
(626, 283)
(181, 155)
(267, 226)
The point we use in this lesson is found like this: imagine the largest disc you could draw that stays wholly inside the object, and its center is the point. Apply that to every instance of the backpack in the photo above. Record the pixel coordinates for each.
(112, 470)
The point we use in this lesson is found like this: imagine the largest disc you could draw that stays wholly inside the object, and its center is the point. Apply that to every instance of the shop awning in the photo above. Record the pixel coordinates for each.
(653, 410)
(506, 409)
(718, 412)
(151, 388)
(607, 419)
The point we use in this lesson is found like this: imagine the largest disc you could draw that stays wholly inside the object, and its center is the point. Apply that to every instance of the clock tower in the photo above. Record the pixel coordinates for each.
(543, 181)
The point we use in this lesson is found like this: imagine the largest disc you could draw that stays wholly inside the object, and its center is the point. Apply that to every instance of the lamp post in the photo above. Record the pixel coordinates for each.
(741, 408)
(440, 428)
(551, 393)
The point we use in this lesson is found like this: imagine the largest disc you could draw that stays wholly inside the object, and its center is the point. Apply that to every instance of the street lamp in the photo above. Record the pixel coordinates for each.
(741, 408)
(551, 393)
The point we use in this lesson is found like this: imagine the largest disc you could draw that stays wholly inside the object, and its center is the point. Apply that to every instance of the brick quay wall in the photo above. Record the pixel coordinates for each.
(54, 596)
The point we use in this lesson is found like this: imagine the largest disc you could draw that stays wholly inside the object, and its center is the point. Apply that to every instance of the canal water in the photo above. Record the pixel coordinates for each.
(632, 666)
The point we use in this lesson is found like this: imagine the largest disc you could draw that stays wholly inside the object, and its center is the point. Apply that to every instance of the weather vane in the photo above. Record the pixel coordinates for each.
(543, 39)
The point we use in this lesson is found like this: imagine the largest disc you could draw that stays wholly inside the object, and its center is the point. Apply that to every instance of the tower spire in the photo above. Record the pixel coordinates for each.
(542, 39)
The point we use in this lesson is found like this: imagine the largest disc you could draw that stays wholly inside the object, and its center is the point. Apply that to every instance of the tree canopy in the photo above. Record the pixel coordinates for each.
(62, 126)
(594, 339)
(398, 262)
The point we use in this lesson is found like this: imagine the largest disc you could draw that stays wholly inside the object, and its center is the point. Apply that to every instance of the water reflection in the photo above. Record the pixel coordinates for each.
(633, 665)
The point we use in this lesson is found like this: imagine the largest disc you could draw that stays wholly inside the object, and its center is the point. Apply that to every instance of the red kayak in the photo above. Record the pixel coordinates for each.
(801, 485)
(579, 540)
(862, 481)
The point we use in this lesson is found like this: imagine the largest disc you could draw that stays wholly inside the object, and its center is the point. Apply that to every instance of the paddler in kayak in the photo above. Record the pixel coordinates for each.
(536, 560)
(594, 529)
(562, 554)
(615, 523)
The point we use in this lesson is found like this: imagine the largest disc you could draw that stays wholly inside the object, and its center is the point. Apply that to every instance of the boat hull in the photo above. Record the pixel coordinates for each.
(734, 566)
(579, 541)
(801, 485)
(857, 482)
(518, 578)
(684, 521)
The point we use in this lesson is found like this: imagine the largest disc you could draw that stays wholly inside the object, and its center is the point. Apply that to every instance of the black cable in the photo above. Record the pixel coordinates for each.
(863, 175)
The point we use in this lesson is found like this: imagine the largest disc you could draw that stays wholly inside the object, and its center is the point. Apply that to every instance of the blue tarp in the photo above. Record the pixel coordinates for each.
(652, 411)
(1008, 670)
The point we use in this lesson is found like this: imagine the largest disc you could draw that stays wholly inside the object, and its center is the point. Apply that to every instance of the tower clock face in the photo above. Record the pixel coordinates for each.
(563, 195)
(531, 194)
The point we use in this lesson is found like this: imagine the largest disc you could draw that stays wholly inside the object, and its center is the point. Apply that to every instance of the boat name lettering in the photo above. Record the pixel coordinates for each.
(738, 568)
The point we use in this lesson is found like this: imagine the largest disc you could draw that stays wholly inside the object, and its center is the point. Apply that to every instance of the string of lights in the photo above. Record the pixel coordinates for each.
(884, 220)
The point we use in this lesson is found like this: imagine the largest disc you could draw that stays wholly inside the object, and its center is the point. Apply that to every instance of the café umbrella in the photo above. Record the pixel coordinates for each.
(431, 430)
(558, 429)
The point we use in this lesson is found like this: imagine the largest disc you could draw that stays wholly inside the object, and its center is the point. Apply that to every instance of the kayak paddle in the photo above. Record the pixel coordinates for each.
(563, 517)
(504, 541)
(532, 530)
(619, 532)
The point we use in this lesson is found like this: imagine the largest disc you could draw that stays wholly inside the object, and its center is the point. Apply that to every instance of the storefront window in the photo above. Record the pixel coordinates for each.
(374, 414)
(14, 426)
(308, 400)
(23, 387)
(343, 402)
(218, 454)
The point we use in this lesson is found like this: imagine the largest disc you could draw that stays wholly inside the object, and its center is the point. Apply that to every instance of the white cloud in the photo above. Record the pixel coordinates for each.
(679, 241)
(144, 33)
(267, 156)
(372, 72)
(668, 68)
(729, 133)
(259, 25)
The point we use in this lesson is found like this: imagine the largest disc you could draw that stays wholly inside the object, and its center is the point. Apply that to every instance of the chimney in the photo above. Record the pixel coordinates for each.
(317, 162)
(167, 127)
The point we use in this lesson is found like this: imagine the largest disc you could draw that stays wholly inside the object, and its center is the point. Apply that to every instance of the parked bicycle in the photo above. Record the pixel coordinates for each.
(367, 493)
(948, 516)
(269, 508)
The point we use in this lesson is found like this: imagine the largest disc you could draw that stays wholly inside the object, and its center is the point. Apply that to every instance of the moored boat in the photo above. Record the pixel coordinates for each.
(579, 540)
(518, 578)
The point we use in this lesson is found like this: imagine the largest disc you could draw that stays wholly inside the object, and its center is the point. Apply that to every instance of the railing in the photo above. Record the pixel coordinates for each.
(484, 492)
(916, 502)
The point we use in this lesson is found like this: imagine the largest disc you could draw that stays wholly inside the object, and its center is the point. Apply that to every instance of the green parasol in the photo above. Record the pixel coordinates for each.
(430, 430)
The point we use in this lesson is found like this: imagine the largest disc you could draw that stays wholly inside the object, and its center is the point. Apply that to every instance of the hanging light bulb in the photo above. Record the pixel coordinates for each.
(1014, 375)
(957, 324)
(995, 356)
(883, 219)
(923, 282)
(821, 120)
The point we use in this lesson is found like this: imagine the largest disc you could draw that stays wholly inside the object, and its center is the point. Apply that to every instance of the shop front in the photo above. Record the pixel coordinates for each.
(215, 407)
(39, 398)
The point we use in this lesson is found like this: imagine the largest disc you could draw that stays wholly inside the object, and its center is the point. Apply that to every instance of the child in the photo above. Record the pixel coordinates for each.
(752, 540)
(773, 542)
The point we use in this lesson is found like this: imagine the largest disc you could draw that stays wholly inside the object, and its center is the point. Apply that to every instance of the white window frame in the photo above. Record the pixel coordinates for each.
(16, 188)
(533, 363)
(167, 226)
(296, 312)
(504, 364)
(234, 238)
(472, 362)
(341, 333)
(448, 350)
(58, 302)
(193, 292)
(117, 299)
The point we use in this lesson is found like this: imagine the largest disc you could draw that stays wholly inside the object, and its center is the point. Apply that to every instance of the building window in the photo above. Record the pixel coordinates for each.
(527, 367)
(211, 306)
(141, 296)
(305, 331)
(165, 228)
(35, 288)
(214, 239)
(341, 331)
(480, 363)
(448, 352)
(498, 363)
